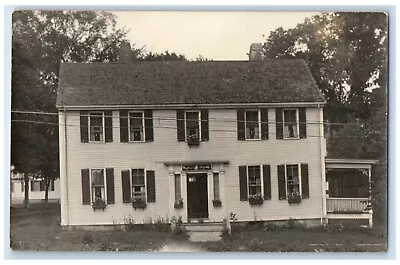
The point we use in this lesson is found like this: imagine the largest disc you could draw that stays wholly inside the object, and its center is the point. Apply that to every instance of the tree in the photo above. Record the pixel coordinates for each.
(346, 54)
(166, 56)
(41, 40)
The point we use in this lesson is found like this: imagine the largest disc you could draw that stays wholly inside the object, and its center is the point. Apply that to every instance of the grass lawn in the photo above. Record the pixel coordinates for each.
(36, 229)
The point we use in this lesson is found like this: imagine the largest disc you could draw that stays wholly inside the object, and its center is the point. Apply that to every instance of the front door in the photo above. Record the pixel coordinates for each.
(197, 196)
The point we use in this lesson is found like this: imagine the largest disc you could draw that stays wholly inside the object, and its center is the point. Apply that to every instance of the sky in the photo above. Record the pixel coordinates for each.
(213, 35)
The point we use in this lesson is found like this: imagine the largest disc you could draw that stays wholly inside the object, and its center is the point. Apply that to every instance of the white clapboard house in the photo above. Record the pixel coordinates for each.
(199, 140)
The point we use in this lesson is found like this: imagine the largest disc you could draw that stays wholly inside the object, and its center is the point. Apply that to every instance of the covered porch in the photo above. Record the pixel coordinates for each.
(349, 189)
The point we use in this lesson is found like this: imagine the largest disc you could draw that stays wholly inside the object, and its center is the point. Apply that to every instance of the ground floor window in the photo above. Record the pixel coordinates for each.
(254, 176)
(138, 184)
(98, 186)
(292, 179)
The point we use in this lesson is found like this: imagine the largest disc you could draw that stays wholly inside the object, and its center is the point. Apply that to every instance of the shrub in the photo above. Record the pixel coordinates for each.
(87, 239)
(129, 224)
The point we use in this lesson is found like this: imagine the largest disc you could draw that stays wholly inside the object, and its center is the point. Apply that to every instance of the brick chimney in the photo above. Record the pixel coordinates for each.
(125, 52)
(256, 52)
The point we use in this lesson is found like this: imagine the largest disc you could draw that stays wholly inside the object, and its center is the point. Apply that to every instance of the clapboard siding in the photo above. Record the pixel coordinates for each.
(222, 145)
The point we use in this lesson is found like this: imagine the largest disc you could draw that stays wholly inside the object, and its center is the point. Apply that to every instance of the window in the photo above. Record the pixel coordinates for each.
(96, 127)
(290, 125)
(98, 186)
(138, 184)
(35, 185)
(177, 187)
(254, 178)
(192, 125)
(136, 127)
(22, 186)
(216, 186)
(292, 179)
(252, 124)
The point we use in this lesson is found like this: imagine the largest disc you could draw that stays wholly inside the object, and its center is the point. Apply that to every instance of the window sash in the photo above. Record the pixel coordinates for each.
(290, 123)
(252, 124)
(138, 180)
(97, 185)
(193, 124)
(254, 180)
(96, 127)
(293, 179)
(136, 127)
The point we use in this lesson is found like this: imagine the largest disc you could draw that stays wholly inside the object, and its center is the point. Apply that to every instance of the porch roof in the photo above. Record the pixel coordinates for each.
(349, 163)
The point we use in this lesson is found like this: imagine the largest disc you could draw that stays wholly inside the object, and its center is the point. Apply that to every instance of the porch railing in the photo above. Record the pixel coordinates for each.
(347, 205)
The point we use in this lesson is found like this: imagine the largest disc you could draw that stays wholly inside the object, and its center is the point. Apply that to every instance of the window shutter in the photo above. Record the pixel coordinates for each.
(148, 124)
(304, 181)
(108, 126)
(31, 185)
(204, 125)
(126, 186)
(84, 115)
(180, 119)
(302, 123)
(267, 182)
(123, 126)
(85, 186)
(243, 183)
(110, 185)
(264, 124)
(52, 184)
(279, 123)
(151, 186)
(240, 125)
(281, 182)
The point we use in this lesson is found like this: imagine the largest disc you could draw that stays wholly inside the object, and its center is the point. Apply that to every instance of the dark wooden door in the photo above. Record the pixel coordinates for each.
(197, 195)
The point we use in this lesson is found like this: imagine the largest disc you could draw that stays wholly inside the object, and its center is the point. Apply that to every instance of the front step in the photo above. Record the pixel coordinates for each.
(204, 231)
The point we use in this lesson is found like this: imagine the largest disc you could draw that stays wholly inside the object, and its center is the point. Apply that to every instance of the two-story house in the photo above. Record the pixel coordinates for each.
(200, 140)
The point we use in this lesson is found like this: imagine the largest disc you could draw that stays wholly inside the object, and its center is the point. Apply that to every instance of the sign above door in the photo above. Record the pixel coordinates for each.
(196, 167)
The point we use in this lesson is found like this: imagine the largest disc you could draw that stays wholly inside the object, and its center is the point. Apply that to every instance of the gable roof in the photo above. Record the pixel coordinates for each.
(183, 82)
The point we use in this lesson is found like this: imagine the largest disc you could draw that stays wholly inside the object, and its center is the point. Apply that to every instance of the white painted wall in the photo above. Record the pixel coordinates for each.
(223, 145)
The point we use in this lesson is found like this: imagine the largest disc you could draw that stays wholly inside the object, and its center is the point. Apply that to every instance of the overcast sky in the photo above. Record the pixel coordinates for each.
(213, 35)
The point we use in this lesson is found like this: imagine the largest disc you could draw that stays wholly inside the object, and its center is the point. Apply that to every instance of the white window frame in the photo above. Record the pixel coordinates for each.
(259, 124)
(286, 180)
(261, 178)
(199, 114)
(297, 123)
(145, 182)
(102, 125)
(143, 127)
(91, 188)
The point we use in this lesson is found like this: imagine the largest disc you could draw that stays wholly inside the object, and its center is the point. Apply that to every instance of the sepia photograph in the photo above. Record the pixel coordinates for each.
(199, 131)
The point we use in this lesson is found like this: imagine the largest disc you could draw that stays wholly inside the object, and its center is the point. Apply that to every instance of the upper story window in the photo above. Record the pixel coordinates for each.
(192, 126)
(136, 127)
(252, 121)
(290, 124)
(96, 126)
(192, 119)
(252, 124)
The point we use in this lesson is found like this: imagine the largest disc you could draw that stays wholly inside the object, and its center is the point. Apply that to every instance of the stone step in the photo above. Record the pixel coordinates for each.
(205, 236)
(204, 227)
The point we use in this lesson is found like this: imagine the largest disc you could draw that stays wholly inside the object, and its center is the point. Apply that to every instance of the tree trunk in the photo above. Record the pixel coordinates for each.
(46, 192)
(26, 180)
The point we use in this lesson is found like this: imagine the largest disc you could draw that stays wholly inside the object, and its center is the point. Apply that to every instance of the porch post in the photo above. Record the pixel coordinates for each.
(370, 196)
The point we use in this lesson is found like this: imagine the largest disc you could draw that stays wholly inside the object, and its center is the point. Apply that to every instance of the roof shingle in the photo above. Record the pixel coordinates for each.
(177, 82)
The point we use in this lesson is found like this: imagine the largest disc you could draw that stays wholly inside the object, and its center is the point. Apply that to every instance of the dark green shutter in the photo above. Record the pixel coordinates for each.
(304, 181)
(279, 123)
(267, 182)
(84, 126)
(151, 186)
(126, 186)
(108, 126)
(241, 132)
(264, 124)
(123, 126)
(148, 124)
(180, 123)
(110, 185)
(204, 125)
(302, 122)
(243, 183)
(281, 182)
(85, 186)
